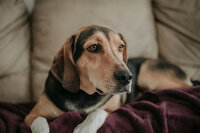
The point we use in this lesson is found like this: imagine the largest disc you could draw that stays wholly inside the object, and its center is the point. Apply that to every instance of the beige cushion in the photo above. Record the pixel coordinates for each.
(15, 87)
(178, 31)
(14, 55)
(53, 21)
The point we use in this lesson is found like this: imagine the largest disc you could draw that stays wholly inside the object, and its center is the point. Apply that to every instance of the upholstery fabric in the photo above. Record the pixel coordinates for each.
(14, 51)
(177, 25)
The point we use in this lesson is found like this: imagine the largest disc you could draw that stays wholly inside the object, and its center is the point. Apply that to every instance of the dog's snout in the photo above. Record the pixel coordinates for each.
(124, 77)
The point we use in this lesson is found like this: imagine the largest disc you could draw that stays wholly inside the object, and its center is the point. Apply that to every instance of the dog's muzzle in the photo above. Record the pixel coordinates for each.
(123, 77)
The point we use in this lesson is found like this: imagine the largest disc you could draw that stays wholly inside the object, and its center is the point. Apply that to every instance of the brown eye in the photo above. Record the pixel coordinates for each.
(93, 48)
(121, 47)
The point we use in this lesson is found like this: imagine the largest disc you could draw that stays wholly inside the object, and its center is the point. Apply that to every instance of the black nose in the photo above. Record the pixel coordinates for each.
(123, 76)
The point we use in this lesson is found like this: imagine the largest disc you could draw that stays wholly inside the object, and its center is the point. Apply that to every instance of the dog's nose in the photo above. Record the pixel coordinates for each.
(123, 76)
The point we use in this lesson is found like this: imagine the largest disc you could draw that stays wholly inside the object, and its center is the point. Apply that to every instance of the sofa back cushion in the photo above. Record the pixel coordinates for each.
(14, 51)
(54, 21)
(178, 31)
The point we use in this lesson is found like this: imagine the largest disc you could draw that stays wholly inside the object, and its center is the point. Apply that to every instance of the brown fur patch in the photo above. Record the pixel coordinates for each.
(44, 108)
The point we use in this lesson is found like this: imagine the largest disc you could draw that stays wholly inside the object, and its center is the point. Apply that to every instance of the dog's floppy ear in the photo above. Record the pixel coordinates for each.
(64, 68)
(125, 56)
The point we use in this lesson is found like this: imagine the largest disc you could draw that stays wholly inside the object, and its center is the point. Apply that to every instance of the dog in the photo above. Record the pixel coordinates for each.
(89, 74)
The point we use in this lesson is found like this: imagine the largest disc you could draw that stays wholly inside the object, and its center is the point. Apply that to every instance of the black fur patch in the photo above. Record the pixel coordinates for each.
(58, 95)
(73, 38)
(134, 65)
(84, 36)
(195, 82)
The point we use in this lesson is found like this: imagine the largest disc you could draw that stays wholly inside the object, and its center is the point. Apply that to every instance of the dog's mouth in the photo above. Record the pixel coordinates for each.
(123, 91)
(99, 91)
(126, 89)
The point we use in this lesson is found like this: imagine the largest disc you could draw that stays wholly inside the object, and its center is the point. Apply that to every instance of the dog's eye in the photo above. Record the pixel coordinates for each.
(121, 47)
(93, 48)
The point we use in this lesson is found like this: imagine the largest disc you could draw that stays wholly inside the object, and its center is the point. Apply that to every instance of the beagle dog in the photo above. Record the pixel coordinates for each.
(89, 74)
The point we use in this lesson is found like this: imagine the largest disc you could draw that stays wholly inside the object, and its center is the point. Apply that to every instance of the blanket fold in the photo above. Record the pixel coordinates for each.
(166, 111)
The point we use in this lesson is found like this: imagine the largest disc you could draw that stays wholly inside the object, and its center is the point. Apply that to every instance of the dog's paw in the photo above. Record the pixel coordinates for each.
(40, 125)
(93, 122)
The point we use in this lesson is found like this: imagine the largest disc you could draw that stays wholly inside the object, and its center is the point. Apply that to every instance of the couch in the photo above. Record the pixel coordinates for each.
(166, 29)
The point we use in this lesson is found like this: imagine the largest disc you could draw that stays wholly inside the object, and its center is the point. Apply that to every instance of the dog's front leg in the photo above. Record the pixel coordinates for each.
(43, 110)
(93, 122)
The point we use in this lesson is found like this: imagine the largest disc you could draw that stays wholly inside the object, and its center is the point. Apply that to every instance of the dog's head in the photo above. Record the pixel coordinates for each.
(94, 60)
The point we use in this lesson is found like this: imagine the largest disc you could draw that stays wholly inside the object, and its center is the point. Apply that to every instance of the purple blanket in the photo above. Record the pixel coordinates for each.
(166, 111)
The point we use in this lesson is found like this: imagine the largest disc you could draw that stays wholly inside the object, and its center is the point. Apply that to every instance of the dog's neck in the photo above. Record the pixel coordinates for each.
(68, 101)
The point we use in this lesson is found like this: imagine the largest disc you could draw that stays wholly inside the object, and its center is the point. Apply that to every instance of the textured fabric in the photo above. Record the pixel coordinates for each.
(14, 51)
(54, 21)
(177, 25)
(15, 87)
(166, 111)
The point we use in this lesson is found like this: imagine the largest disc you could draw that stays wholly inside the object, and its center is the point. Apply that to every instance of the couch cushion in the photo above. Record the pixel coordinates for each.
(53, 21)
(14, 55)
(178, 23)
